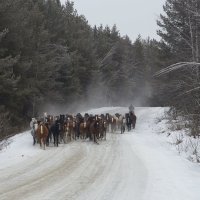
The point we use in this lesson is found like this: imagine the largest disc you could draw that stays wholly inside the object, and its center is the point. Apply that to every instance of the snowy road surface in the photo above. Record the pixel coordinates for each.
(135, 165)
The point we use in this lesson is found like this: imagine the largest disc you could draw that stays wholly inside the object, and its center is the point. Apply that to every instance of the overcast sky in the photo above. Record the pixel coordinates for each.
(132, 17)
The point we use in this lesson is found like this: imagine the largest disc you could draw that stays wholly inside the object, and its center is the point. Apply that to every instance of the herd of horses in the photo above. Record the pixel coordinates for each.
(65, 128)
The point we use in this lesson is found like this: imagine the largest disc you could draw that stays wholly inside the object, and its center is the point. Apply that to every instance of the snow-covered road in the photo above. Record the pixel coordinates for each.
(135, 165)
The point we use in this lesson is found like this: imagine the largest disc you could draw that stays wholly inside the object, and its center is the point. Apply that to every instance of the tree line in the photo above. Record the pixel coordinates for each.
(50, 55)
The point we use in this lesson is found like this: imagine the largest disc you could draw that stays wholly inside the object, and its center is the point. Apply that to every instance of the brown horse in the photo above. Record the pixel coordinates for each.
(42, 134)
(102, 129)
(133, 118)
(84, 129)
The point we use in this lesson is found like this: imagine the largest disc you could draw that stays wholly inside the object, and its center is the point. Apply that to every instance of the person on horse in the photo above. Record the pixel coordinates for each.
(45, 117)
(132, 116)
(131, 108)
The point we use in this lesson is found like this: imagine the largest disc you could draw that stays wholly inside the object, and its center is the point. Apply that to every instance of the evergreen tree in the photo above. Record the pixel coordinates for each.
(180, 32)
(8, 87)
(180, 28)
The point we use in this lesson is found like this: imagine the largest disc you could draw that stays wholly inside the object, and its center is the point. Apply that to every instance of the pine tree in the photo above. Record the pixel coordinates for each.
(180, 31)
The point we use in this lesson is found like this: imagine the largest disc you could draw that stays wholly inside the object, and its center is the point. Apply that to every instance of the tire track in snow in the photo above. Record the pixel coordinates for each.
(90, 172)
(37, 178)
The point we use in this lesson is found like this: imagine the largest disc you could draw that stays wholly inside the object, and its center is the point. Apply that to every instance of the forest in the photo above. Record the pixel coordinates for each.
(51, 56)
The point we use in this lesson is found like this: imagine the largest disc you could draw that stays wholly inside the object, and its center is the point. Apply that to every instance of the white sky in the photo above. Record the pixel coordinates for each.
(132, 17)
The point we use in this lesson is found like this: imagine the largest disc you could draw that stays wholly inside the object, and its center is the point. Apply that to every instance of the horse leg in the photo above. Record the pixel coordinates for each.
(121, 129)
(34, 140)
(134, 122)
(76, 134)
(64, 137)
(83, 135)
(54, 139)
(57, 140)
(70, 135)
(47, 140)
(104, 134)
(73, 134)
(80, 134)
(128, 127)
(50, 136)
(95, 138)
(43, 142)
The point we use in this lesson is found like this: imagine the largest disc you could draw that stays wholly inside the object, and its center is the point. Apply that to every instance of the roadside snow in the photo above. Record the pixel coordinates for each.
(18, 149)
(177, 136)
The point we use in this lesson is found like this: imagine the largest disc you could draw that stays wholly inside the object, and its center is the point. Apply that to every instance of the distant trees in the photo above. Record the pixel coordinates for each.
(8, 86)
(50, 54)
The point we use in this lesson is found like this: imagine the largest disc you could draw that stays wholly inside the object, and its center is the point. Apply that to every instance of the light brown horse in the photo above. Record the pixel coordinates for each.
(94, 128)
(42, 134)
(70, 128)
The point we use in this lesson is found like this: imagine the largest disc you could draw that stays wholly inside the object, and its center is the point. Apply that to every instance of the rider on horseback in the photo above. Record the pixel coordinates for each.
(131, 108)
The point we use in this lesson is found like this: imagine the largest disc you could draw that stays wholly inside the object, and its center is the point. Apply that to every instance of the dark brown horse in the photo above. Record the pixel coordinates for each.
(42, 134)
(49, 122)
(102, 128)
(128, 121)
(84, 129)
(133, 118)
